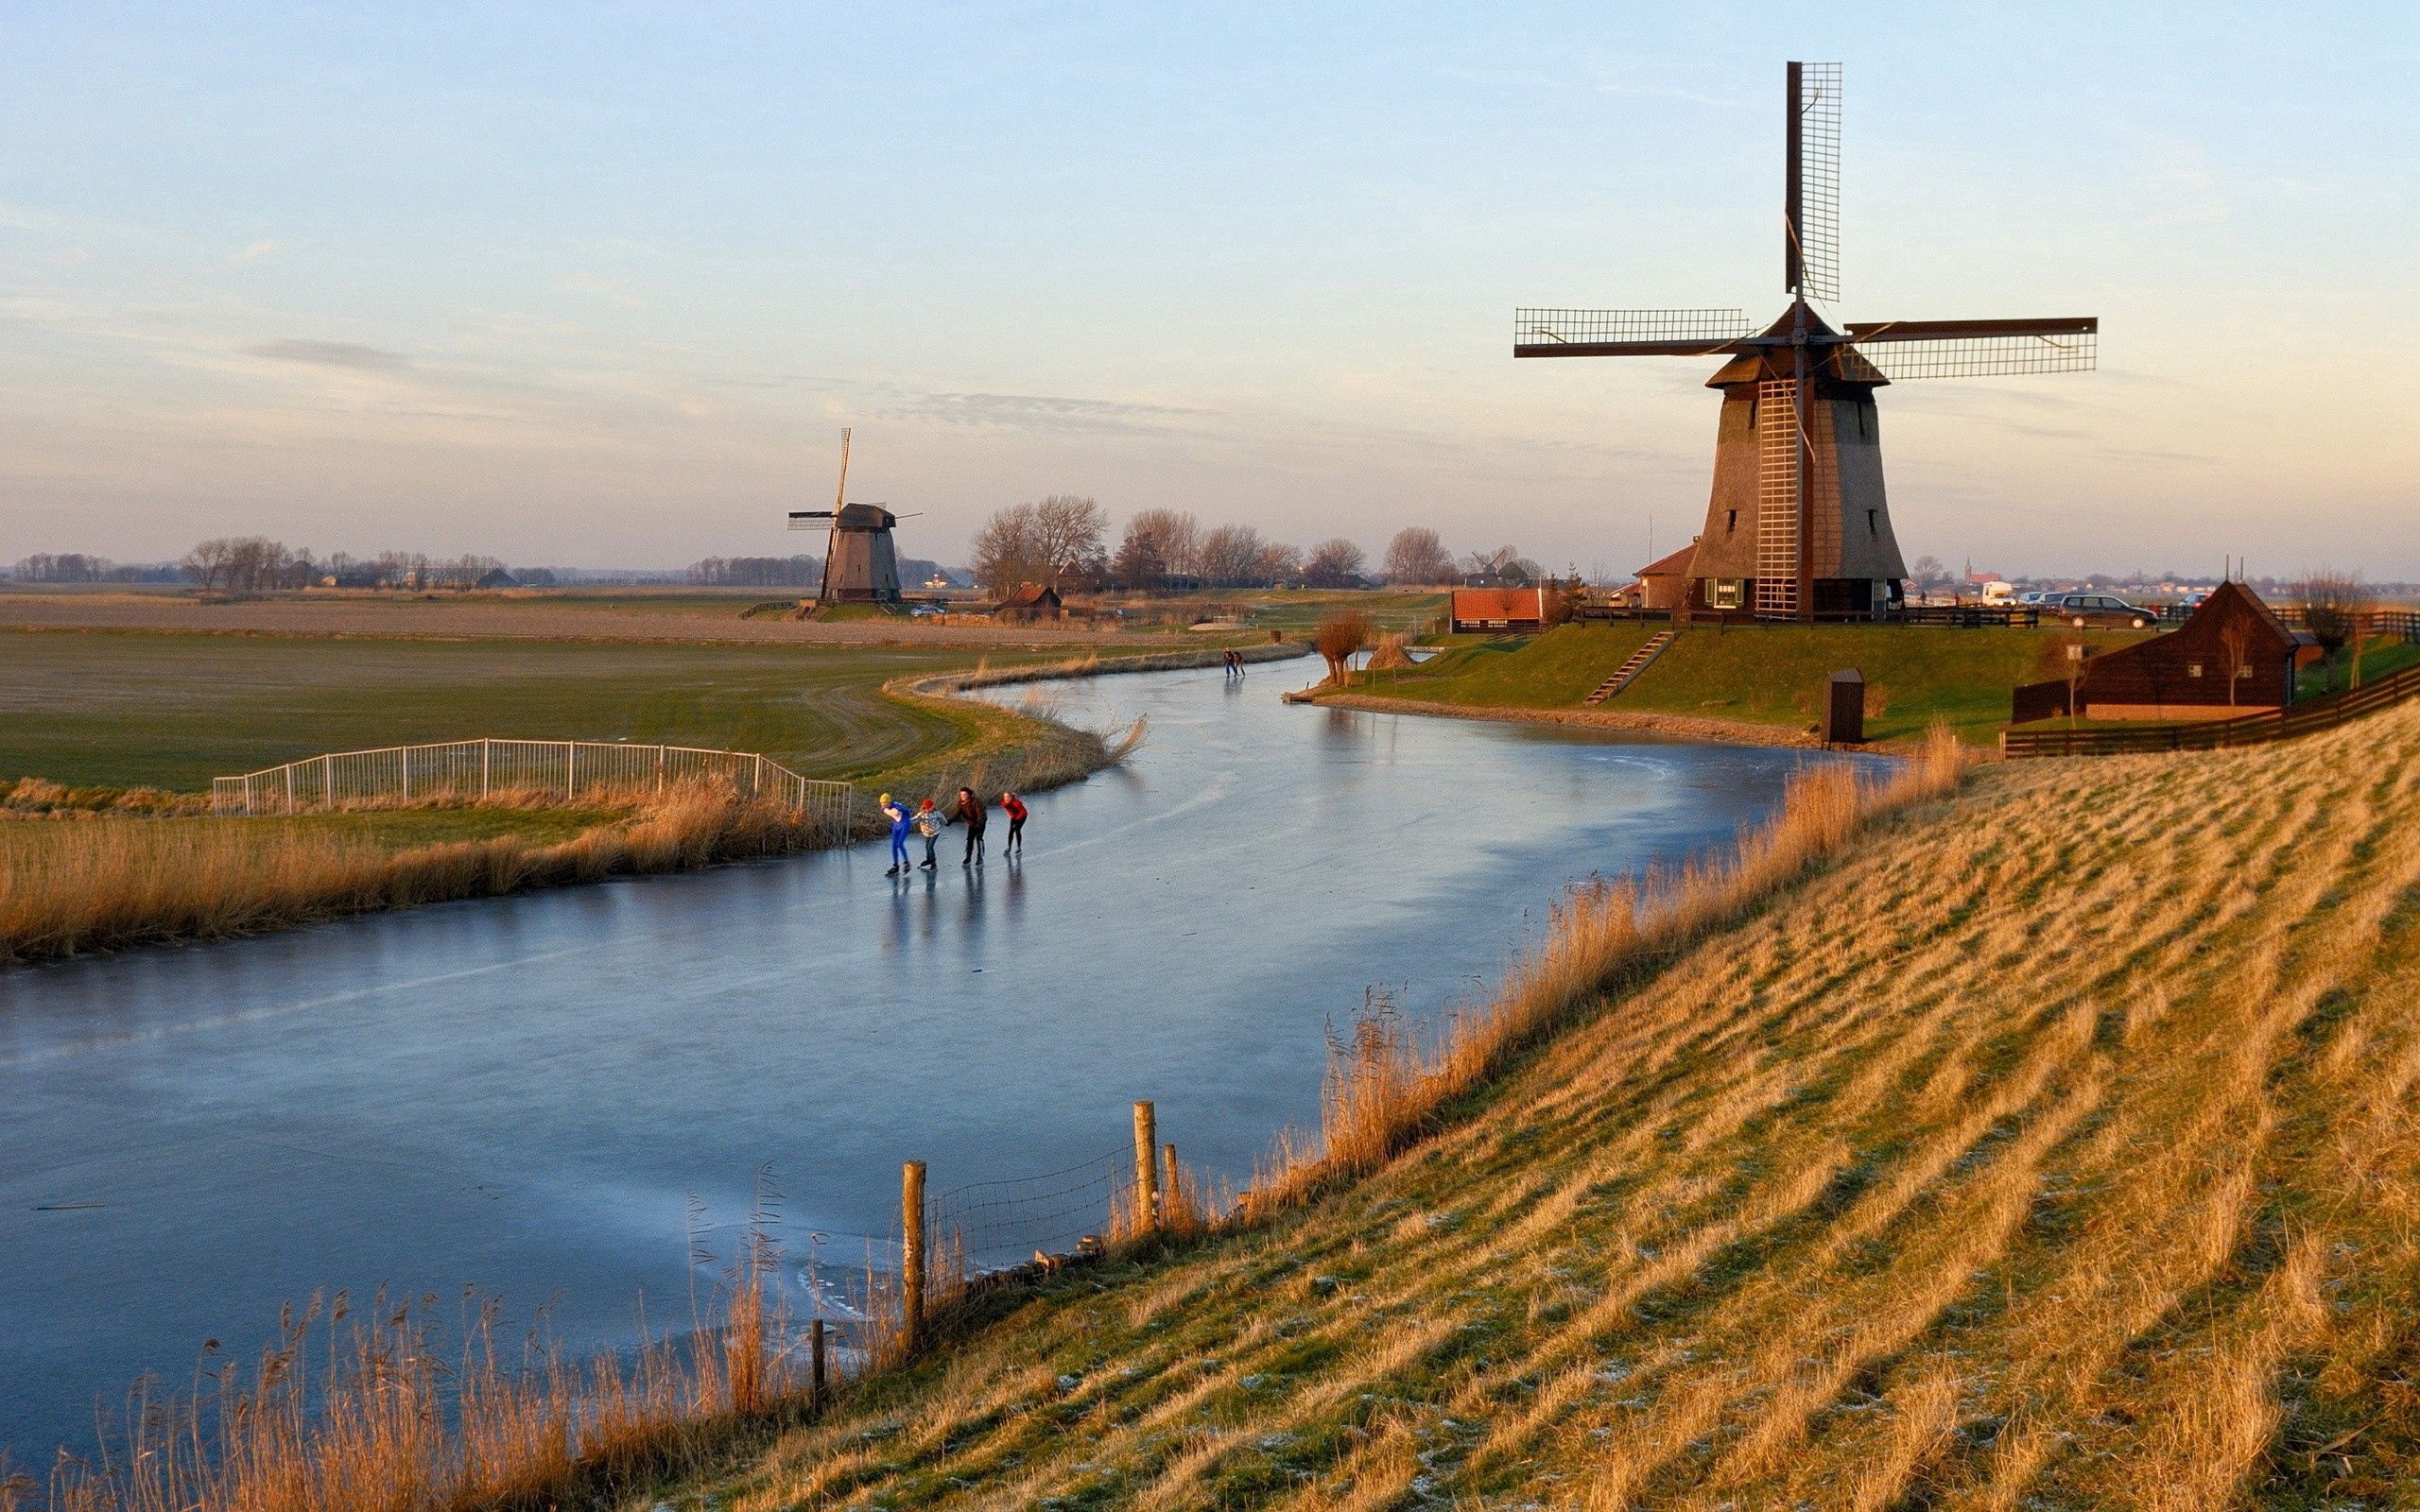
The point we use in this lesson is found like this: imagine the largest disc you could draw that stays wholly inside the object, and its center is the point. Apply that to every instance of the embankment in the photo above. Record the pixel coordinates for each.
(2052, 1146)
(1678, 727)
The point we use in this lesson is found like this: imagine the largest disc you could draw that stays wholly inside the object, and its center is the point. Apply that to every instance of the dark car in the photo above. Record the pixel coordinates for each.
(2099, 608)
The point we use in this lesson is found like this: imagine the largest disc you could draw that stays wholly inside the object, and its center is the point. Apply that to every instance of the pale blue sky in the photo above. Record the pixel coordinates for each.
(598, 285)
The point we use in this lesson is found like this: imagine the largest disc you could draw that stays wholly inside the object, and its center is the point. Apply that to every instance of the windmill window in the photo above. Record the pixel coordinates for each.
(1873, 523)
(1752, 413)
(1865, 422)
(2193, 669)
(1730, 520)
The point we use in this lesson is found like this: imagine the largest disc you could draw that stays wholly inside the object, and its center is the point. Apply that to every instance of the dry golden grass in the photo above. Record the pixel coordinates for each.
(393, 1411)
(131, 881)
(2053, 1146)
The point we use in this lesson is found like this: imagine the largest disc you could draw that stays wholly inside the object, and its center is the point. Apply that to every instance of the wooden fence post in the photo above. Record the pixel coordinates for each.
(815, 1367)
(406, 752)
(1147, 1173)
(486, 746)
(571, 769)
(911, 1255)
(1171, 1191)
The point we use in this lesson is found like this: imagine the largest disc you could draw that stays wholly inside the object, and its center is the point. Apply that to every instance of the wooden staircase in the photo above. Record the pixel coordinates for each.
(1632, 668)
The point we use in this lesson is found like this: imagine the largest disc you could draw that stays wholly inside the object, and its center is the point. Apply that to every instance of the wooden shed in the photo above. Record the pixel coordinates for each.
(1510, 610)
(2231, 641)
(1029, 602)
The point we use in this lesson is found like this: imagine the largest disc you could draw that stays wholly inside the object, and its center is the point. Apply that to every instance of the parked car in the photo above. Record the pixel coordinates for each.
(2080, 610)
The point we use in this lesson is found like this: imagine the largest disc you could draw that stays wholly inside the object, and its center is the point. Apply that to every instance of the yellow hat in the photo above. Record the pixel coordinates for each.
(885, 797)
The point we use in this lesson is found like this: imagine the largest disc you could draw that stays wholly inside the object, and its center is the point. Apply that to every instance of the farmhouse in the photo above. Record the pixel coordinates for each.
(1517, 611)
(2233, 641)
(1665, 583)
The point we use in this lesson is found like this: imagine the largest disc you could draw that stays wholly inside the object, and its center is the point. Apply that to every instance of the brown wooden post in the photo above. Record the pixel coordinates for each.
(1146, 1169)
(815, 1367)
(1170, 1189)
(912, 1254)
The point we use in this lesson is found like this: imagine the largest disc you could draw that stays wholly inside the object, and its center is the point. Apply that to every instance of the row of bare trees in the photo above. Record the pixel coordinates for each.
(1064, 540)
(249, 564)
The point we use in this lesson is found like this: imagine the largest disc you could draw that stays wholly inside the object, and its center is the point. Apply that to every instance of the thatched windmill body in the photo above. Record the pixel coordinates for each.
(1798, 526)
(861, 566)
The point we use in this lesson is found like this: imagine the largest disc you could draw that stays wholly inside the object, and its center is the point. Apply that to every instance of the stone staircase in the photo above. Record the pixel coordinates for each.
(1632, 668)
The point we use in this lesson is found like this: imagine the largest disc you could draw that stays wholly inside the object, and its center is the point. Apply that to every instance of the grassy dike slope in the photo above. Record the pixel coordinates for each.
(2057, 1149)
(1757, 675)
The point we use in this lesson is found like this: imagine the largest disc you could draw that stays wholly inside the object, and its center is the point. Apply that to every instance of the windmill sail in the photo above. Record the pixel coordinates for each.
(1979, 349)
(1811, 218)
(1557, 332)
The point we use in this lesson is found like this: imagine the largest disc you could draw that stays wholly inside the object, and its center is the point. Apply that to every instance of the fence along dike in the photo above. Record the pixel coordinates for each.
(471, 771)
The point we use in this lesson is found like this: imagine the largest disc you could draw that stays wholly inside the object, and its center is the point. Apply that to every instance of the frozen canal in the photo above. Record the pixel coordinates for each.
(518, 1094)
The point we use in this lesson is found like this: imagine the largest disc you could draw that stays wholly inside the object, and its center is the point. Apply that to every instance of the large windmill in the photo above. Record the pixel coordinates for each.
(1797, 526)
(859, 565)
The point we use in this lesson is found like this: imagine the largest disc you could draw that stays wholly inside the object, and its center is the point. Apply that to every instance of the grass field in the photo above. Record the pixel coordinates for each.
(2058, 1150)
(174, 711)
(1756, 675)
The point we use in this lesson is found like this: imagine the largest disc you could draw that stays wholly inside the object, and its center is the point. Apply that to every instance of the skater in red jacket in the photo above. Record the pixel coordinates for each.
(1014, 808)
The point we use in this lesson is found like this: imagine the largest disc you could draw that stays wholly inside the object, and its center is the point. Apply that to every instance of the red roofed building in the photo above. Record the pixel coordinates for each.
(1665, 584)
(1512, 610)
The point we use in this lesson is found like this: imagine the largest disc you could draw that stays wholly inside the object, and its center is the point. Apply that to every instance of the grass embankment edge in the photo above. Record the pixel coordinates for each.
(1680, 726)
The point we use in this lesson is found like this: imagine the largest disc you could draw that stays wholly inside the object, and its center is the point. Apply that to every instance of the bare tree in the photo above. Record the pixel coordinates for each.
(1337, 637)
(1333, 563)
(1008, 550)
(1158, 544)
(2235, 646)
(1230, 555)
(1416, 555)
(1067, 531)
(1278, 563)
(2332, 607)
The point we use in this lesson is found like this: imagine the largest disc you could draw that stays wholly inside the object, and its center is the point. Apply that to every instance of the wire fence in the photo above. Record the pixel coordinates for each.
(988, 1224)
(471, 771)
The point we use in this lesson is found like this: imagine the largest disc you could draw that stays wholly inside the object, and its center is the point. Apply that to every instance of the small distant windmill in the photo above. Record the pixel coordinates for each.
(859, 565)
(1798, 526)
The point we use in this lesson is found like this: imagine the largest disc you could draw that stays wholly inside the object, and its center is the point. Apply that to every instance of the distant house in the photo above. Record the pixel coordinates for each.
(1512, 610)
(497, 577)
(2232, 639)
(1030, 602)
(1665, 583)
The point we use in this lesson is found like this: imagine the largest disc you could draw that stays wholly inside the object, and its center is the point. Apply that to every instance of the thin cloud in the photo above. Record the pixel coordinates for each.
(256, 251)
(345, 354)
(1044, 412)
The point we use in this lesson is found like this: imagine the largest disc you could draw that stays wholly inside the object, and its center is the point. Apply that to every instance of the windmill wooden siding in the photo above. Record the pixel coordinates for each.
(2185, 673)
(1854, 553)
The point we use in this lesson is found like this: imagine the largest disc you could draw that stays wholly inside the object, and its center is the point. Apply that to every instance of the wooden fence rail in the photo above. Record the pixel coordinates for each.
(471, 771)
(2245, 729)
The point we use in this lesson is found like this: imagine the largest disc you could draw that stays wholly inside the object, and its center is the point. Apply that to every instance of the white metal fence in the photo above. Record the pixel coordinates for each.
(470, 771)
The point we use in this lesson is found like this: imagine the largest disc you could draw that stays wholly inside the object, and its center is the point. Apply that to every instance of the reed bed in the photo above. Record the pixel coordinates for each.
(393, 1409)
(106, 882)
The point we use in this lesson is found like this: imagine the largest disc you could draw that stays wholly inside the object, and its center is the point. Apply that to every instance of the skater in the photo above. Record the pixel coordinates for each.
(1014, 808)
(929, 824)
(970, 813)
(897, 813)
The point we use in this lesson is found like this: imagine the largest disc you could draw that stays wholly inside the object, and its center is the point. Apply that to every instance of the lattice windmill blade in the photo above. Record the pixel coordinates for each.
(1559, 333)
(1979, 349)
(1811, 187)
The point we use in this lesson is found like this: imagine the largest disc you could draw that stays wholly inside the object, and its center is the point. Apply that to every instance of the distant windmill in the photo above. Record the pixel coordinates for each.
(1798, 527)
(859, 565)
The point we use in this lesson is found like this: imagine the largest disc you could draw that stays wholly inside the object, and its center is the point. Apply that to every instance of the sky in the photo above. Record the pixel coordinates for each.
(598, 285)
